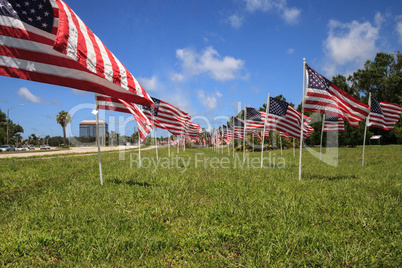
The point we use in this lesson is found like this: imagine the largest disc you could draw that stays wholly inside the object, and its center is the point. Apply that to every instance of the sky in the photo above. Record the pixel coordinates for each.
(211, 58)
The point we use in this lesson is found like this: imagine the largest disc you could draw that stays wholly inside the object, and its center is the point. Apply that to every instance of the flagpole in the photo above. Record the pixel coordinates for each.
(365, 129)
(223, 134)
(139, 146)
(263, 132)
(97, 140)
(302, 120)
(253, 142)
(244, 132)
(169, 143)
(322, 132)
(233, 146)
(280, 141)
(156, 145)
(294, 154)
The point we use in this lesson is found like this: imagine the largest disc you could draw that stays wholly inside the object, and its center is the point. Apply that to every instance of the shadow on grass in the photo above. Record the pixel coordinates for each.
(133, 183)
(330, 178)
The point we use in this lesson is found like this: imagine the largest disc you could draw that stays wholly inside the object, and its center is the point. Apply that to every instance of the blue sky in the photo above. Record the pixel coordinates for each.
(211, 57)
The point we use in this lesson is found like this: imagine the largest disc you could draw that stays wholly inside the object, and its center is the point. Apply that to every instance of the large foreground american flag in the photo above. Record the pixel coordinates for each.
(324, 97)
(45, 41)
(384, 114)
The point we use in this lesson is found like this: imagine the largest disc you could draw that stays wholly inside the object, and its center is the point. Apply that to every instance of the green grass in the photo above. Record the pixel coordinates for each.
(54, 212)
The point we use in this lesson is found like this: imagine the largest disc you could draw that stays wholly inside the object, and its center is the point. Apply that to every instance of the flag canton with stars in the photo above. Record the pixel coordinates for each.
(252, 114)
(278, 107)
(238, 122)
(230, 127)
(224, 128)
(37, 13)
(316, 80)
(331, 118)
(375, 106)
(153, 111)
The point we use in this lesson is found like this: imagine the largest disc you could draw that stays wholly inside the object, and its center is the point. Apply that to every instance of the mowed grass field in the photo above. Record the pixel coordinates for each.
(208, 212)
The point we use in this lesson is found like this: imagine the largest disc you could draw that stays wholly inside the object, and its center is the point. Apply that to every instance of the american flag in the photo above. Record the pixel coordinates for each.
(145, 126)
(193, 129)
(238, 128)
(325, 97)
(225, 132)
(256, 135)
(283, 117)
(333, 124)
(285, 135)
(45, 41)
(174, 119)
(231, 133)
(383, 114)
(255, 119)
(151, 114)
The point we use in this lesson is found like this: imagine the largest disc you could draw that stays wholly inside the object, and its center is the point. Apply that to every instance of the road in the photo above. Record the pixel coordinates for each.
(70, 151)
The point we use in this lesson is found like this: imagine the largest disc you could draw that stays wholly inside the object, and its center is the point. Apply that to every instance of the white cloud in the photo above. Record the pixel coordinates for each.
(264, 5)
(149, 84)
(209, 62)
(399, 28)
(235, 21)
(208, 101)
(350, 43)
(25, 94)
(290, 15)
(290, 51)
(176, 77)
(218, 94)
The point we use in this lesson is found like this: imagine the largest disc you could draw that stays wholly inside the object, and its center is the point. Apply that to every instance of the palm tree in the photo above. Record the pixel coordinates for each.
(63, 118)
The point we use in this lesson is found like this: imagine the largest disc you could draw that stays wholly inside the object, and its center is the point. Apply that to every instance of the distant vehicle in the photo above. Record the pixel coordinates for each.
(7, 148)
(20, 148)
(45, 147)
(31, 147)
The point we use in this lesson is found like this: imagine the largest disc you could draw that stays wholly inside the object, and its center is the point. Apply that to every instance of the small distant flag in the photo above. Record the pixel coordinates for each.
(333, 124)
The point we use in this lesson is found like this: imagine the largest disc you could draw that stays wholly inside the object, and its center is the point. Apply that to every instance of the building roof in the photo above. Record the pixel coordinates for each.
(92, 122)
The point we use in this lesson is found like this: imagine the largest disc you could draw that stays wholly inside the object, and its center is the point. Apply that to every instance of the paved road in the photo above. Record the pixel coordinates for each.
(72, 150)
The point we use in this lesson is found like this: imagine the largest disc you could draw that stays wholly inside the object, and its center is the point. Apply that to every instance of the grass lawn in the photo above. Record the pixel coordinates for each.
(203, 209)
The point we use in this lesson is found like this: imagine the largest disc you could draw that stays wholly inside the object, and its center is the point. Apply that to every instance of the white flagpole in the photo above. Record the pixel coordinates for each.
(223, 134)
(228, 144)
(139, 146)
(253, 142)
(156, 145)
(280, 141)
(365, 129)
(322, 132)
(294, 153)
(302, 121)
(233, 138)
(263, 132)
(244, 132)
(97, 141)
(169, 144)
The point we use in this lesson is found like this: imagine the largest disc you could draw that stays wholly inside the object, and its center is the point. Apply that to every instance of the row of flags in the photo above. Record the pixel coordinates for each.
(46, 41)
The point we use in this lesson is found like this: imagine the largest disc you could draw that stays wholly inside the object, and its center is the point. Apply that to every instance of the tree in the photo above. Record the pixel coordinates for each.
(383, 79)
(13, 129)
(63, 118)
